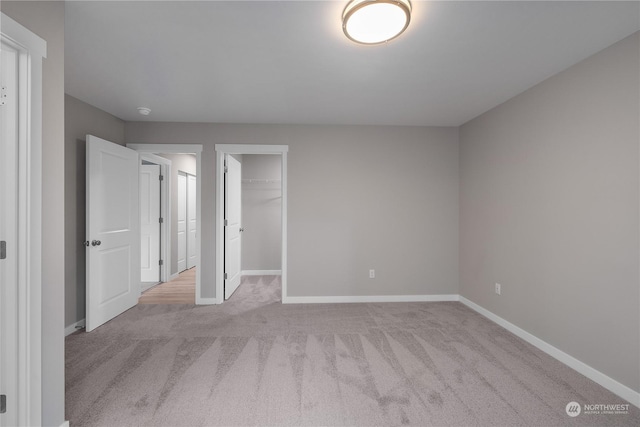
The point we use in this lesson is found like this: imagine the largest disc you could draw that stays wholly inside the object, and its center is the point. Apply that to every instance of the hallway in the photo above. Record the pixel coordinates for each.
(181, 290)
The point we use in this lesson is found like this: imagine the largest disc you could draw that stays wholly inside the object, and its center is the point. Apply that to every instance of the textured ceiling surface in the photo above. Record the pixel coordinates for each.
(289, 62)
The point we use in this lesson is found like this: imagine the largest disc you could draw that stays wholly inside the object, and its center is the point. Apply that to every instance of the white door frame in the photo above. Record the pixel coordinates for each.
(185, 149)
(32, 49)
(165, 212)
(221, 150)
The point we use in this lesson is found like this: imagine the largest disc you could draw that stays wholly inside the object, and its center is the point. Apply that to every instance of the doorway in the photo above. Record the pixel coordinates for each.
(222, 152)
(174, 154)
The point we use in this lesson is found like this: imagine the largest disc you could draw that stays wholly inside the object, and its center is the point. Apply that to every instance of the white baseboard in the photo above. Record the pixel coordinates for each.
(74, 327)
(65, 424)
(173, 276)
(261, 272)
(368, 298)
(206, 301)
(593, 374)
(145, 286)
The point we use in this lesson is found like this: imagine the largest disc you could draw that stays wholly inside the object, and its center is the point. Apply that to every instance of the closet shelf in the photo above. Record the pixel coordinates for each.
(260, 181)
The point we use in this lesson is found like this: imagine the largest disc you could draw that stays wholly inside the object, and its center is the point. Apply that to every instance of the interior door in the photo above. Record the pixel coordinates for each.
(150, 223)
(113, 231)
(191, 221)
(182, 222)
(232, 229)
(8, 235)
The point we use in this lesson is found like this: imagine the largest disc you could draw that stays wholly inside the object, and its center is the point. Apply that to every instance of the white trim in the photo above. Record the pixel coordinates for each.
(186, 149)
(221, 150)
(261, 272)
(165, 212)
(21, 35)
(32, 49)
(206, 301)
(74, 327)
(251, 149)
(166, 148)
(145, 286)
(174, 276)
(593, 374)
(369, 298)
(65, 424)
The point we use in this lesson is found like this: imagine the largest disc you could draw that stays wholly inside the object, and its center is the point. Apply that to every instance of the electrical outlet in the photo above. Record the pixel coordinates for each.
(498, 289)
(372, 274)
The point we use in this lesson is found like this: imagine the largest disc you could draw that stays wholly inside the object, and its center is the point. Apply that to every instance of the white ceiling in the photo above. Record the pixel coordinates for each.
(289, 62)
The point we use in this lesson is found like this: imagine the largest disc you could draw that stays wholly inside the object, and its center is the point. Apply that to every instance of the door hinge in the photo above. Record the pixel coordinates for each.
(161, 177)
(161, 220)
(161, 262)
(226, 276)
(3, 403)
(226, 222)
(3, 250)
(226, 169)
(3, 96)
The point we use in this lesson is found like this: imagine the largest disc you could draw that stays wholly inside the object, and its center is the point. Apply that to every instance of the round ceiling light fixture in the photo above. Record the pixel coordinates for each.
(144, 111)
(375, 21)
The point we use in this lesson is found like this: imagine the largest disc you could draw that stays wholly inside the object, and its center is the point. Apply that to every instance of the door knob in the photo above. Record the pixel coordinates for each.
(241, 230)
(95, 242)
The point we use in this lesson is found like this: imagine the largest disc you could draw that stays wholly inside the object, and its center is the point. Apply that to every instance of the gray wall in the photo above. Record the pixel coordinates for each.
(80, 119)
(46, 19)
(360, 197)
(261, 212)
(185, 163)
(550, 210)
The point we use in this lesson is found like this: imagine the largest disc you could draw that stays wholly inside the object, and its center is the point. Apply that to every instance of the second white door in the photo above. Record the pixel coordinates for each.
(182, 222)
(191, 221)
(232, 228)
(150, 223)
(187, 251)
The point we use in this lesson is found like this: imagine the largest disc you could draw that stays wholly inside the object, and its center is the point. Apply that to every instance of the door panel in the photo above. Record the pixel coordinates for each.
(232, 235)
(182, 222)
(149, 223)
(8, 234)
(113, 231)
(191, 221)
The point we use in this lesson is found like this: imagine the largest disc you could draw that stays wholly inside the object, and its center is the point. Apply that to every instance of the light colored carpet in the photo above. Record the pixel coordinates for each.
(254, 361)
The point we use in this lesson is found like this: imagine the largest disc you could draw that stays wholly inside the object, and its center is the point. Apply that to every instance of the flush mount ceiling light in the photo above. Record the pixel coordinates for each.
(144, 111)
(375, 21)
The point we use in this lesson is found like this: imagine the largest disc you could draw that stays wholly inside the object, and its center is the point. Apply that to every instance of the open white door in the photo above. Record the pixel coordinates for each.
(113, 231)
(9, 142)
(150, 223)
(191, 221)
(232, 230)
(182, 222)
